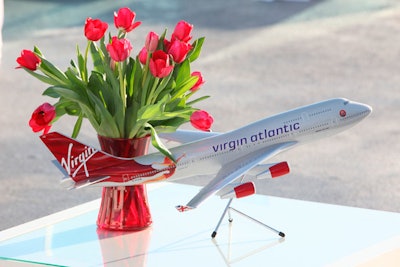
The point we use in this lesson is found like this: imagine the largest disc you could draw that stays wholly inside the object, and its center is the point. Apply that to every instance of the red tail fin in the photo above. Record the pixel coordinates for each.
(87, 165)
(78, 160)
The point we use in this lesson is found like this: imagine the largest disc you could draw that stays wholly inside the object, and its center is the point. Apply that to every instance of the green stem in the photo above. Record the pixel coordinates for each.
(122, 85)
(150, 98)
(84, 71)
(144, 91)
(146, 68)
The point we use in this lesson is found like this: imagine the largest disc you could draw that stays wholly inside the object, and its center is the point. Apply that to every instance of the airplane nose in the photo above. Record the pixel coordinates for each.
(366, 109)
(363, 109)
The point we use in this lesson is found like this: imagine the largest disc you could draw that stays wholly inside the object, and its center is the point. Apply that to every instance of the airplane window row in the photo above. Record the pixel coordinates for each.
(293, 120)
(320, 112)
(317, 128)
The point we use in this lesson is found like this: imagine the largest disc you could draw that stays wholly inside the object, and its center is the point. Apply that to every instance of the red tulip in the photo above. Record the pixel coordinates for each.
(42, 117)
(95, 29)
(182, 31)
(201, 120)
(199, 82)
(28, 60)
(151, 42)
(159, 65)
(143, 56)
(125, 19)
(119, 49)
(178, 50)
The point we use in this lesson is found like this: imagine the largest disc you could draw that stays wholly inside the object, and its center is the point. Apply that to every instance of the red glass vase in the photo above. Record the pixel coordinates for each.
(124, 208)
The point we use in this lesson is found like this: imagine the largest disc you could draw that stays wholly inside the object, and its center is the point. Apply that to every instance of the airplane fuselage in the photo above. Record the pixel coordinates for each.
(223, 157)
(297, 126)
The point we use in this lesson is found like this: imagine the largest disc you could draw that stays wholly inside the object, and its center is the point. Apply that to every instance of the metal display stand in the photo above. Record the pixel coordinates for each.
(228, 209)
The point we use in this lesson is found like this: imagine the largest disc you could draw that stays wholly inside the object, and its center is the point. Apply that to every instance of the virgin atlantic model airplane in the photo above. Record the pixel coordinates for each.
(227, 157)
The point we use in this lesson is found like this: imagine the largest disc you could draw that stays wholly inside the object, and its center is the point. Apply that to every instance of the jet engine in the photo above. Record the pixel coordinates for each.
(277, 170)
(248, 188)
(240, 191)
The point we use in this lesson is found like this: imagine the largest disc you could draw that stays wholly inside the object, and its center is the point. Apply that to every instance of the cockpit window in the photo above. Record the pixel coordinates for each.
(346, 102)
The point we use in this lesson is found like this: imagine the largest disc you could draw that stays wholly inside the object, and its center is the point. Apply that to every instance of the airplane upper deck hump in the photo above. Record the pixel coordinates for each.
(340, 110)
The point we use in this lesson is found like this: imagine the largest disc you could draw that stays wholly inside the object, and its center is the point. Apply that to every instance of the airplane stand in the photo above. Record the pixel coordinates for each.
(228, 208)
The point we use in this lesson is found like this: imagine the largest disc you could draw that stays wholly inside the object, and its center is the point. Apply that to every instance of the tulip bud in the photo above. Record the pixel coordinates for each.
(119, 49)
(124, 19)
(42, 117)
(151, 42)
(182, 31)
(95, 29)
(199, 82)
(143, 56)
(201, 120)
(28, 60)
(159, 65)
(179, 50)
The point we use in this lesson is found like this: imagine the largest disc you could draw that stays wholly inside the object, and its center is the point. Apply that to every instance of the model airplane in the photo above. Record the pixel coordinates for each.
(226, 157)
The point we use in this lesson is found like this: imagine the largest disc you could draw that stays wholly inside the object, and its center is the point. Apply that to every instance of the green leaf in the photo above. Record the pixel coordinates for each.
(107, 124)
(81, 68)
(51, 92)
(69, 94)
(182, 88)
(160, 45)
(195, 52)
(74, 82)
(145, 114)
(97, 57)
(111, 78)
(183, 72)
(130, 71)
(42, 78)
(103, 91)
(150, 111)
(162, 94)
(60, 108)
(71, 108)
(183, 113)
(137, 81)
(130, 120)
(170, 125)
(110, 99)
(197, 100)
(156, 142)
(91, 116)
(37, 51)
(75, 98)
(52, 71)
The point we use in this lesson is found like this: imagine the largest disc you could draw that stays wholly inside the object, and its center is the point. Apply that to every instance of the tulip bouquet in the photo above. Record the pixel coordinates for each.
(120, 95)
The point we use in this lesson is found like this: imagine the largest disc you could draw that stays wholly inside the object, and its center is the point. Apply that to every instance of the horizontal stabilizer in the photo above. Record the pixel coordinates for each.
(90, 181)
(182, 208)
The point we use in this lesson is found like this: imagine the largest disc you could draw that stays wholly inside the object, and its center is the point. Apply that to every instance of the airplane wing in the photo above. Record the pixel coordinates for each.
(233, 170)
(186, 136)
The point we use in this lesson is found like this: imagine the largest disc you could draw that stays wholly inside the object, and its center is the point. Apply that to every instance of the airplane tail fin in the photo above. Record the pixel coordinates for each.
(81, 162)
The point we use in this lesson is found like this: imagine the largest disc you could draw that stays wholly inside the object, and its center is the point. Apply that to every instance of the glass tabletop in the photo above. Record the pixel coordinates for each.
(71, 238)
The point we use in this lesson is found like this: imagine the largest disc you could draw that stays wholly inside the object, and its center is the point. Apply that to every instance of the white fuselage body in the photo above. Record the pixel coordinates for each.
(297, 126)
